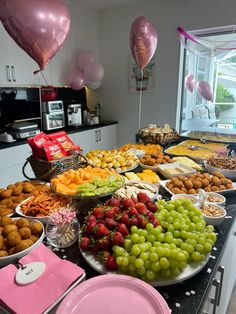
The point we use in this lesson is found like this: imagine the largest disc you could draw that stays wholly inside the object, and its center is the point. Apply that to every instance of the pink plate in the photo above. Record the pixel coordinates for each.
(114, 294)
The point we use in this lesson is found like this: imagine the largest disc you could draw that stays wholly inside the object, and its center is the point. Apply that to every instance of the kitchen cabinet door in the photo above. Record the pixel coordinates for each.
(107, 137)
(87, 140)
(5, 78)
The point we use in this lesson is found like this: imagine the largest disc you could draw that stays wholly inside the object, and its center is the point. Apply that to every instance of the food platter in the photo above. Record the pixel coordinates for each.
(129, 169)
(164, 182)
(189, 271)
(114, 294)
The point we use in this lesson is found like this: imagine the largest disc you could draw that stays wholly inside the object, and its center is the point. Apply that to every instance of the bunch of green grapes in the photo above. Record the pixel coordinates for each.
(165, 250)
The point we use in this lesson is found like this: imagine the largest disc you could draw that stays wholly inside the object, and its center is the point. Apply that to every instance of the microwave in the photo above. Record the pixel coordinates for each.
(53, 115)
(52, 106)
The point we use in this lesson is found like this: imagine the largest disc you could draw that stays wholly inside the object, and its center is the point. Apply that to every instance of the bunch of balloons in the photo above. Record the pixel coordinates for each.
(39, 27)
(203, 88)
(89, 72)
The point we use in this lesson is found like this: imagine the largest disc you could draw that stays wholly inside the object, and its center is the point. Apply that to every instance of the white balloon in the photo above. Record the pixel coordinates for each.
(93, 85)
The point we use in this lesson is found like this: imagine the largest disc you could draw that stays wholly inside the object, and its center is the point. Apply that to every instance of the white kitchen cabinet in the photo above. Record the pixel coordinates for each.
(222, 285)
(16, 66)
(100, 138)
(11, 162)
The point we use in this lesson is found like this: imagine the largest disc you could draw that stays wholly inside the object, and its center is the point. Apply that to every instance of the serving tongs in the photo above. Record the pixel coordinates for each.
(202, 196)
(194, 147)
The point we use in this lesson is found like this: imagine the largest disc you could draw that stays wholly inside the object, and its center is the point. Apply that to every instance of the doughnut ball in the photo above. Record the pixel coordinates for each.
(22, 222)
(176, 190)
(9, 228)
(13, 238)
(1, 242)
(36, 228)
(205, 183)
(197, 184)
(192, 191)
(23, 245)
(188, 184)
(33, 238)
(5, 220)
(25, 232)
(3, 253)
(216, 181)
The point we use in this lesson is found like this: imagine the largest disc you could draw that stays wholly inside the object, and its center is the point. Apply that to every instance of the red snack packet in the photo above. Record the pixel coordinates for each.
(36, 143)
(65, 141)
(53, 150)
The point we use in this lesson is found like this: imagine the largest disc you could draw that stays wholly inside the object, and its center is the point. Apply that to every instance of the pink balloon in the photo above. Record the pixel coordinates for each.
(143, 41)
(204, 90)
(84, 57)
(39, 27)
(93, 85)
(76, 80)
(189, 82)
(94, 72)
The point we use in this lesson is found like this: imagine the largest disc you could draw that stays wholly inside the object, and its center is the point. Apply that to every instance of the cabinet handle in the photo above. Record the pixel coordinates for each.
(221, 270)
(96, 136)
(8, 73)
(214, 300)
(100, 135)
(13, 73)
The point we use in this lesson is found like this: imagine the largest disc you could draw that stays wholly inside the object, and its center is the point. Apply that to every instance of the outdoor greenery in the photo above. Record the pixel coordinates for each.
(223, 96)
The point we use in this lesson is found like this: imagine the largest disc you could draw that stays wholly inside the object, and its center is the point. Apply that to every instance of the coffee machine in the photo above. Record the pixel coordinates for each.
(74, 114)
(53, 115)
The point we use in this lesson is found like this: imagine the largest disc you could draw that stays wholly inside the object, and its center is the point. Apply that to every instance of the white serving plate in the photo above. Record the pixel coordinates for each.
(153, 168)
(8, 259)
(229, 174)
(189, 271)
(162, 169)
(164, 182)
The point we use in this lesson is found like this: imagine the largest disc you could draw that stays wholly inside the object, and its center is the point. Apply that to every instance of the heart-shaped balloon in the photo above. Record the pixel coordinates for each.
(39, 27)
(204, 90)
(189, 82)
(143, 41)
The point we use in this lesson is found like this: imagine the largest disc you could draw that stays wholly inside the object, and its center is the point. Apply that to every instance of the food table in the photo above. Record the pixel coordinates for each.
(190, 295)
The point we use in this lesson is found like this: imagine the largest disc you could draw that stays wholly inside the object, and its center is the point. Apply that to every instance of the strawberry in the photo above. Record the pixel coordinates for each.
(122, 229)
(155, 222)
(134, 200)
(104, 243)
(111, 263)
(114, 201)
(101, 230)
(118, 239)
(110, 213)
(143, 197)
(117, 210)
(142, 222)
(127, 203)
(98, 212)
(151, 206)
(95, 249)
(110, 223)
(85, 243)
(125, 219)
(91, 219)
(133, 212)
(141, 208)
(90, 227)
(150, 215)
(104, 255)
(134, 221)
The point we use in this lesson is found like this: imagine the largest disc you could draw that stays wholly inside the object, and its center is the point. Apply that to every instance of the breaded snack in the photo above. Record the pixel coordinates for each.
(5, 221)
(3, 253)
(36, 228)
(22, 222)
(25, 232)
(23, 245)
(34, 238)
(9, 228)
(1, 242)
(13, 238)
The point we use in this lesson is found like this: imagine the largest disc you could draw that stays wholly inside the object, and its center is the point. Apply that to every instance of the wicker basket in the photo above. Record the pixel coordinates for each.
(45, 170)
(157, 138)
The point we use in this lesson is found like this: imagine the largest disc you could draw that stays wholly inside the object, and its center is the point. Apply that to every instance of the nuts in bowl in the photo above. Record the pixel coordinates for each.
(215, 198)
(213, 214)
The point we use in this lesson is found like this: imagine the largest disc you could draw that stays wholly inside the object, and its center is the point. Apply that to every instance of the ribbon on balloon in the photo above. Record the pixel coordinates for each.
(143, 42)
(89, 72)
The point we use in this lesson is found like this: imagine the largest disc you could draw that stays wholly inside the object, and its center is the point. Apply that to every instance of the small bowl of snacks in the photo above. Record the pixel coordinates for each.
(215, 198)
(192, 198)
(224, 165)
(213, 213)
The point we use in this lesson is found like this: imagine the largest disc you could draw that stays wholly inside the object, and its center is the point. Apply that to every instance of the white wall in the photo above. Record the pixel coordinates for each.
(167, 15)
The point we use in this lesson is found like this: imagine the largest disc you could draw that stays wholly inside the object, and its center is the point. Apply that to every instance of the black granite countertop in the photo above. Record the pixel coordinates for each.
(188, 296)
(69, 130)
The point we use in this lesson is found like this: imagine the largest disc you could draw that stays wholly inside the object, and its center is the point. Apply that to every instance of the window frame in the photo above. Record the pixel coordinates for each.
(205, 32)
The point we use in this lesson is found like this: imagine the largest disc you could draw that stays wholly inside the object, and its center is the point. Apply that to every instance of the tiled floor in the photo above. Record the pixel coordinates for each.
(232, 302)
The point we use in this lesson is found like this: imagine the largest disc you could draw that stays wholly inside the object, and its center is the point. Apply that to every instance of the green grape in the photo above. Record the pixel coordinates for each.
(147, 264)
(142, 239)
(135, 250)
(153, 257)
(144, 256)
(193, 242)
(196, 256)
(160, 237)
(207, 247)
(141, 271)
(151, 238)
(156, 243)
(132, 259)
(150, 275)
(175, 271)
(149, 226)
(160, 251)
(195, 219)
(176, 233)
(119, 260)
(201, 240)
(168, 239)
(124, 269)
(127, 244)
(176, 224)
(134, 237)
(177, 203)
(166, 273)
(134, 229)
(172, 246)
(199, 248)
(164, 263)
(155, 232)
(190, 248)
(131, 267)
(139, 263)
(125, 261)
(155, 266)
(119, 251)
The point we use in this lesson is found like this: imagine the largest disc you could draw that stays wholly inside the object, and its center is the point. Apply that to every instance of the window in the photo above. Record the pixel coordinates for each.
(212, 61)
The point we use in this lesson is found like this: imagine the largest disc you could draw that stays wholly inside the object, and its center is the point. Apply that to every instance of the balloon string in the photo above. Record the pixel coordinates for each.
(140, 101)
(44, 78)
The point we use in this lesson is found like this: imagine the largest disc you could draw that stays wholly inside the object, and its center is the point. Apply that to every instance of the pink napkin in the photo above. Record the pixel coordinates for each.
(38, 296)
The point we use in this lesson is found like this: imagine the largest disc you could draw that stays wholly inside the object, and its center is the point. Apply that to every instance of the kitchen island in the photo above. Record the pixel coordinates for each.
(197, 294)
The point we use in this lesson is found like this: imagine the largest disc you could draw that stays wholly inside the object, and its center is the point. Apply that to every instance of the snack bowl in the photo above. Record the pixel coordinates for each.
(192, 198)
(215, 198)
(229, 174)
(5, 260)
(213, 214)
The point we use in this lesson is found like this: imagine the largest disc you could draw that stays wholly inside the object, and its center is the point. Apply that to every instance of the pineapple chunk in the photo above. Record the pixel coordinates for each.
(188, 162)
(132, 176)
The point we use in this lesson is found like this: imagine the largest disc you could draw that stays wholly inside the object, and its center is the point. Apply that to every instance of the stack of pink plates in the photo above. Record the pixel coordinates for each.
(114, 294)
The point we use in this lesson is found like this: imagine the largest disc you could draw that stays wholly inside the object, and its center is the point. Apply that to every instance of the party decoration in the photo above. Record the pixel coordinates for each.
(76, 80)
(85, 57)
(94, 72)
(143, 41)
(189, 82)
(93, 85)
(39, 27)
(204, 90)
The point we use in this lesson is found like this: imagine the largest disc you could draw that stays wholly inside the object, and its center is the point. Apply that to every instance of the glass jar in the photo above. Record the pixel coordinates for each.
(62, 235)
